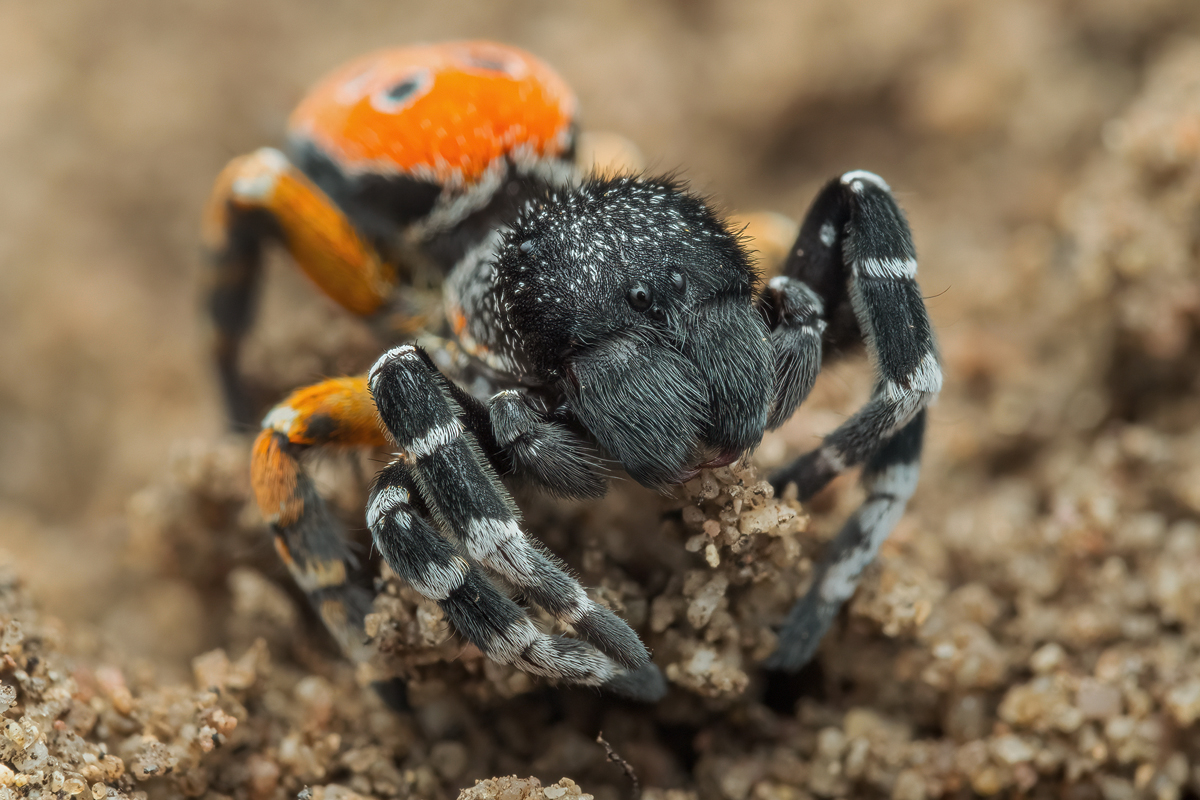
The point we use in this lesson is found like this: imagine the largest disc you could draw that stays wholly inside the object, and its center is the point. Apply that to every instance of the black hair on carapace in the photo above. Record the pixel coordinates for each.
(635, 296)
(572, 257)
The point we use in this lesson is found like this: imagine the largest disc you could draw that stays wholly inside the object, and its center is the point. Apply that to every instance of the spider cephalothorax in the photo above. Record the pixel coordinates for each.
(632, 301)
(617, 313)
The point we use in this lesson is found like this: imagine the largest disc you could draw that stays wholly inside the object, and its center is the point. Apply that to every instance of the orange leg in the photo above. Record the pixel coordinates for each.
(260, 197)
(334, 413)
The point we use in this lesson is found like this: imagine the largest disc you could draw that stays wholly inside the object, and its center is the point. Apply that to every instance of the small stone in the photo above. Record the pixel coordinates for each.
(987, 781)
(706, 601)
(1047, 658)
(1011, 749)
(693, 517)
(8, 697)
(909, 785)
(211, 669)
(1097, 700)
(759, 520)
(709, 488)
(15, 733)
(1183, 701)
(830, 743)
(12, 638)
(315, 695)
(264, 776)
(1114, 788)
(112, 683)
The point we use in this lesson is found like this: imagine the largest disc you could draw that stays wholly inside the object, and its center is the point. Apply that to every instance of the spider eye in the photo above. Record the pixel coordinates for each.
(640, 297)
(679, 281)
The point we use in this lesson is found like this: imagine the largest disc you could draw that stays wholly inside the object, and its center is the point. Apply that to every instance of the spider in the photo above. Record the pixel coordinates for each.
(579, 317)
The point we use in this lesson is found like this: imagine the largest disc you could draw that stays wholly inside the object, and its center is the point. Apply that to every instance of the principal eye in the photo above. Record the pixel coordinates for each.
(640, 297)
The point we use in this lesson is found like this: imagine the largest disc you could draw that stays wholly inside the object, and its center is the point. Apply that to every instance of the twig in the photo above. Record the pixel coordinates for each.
(625, 766)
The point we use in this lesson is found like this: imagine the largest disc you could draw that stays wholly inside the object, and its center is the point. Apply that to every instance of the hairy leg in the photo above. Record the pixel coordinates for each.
(855, 253)
(260, 198)
(308, 537)
(464, 495)
(890, 478)
(475, 607)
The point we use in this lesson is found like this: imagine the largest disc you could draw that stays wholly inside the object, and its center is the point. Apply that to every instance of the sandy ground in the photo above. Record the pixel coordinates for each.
(1031, 627)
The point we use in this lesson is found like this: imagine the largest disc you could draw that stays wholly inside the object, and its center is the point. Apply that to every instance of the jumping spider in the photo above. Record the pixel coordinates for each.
(611, 315)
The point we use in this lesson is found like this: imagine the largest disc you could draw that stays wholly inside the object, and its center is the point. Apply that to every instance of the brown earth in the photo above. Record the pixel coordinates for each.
(1030, 628)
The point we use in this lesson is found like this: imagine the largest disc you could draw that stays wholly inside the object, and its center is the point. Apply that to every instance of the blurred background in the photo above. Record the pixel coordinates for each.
(116, 117)
(1044, 150)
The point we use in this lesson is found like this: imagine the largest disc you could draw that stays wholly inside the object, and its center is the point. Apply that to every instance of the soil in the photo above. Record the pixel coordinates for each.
(1031, 628)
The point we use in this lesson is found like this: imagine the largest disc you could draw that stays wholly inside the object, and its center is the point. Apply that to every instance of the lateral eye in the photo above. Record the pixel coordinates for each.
(640, 297)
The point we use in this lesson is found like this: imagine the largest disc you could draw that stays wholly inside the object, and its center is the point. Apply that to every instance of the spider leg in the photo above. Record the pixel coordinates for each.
(521, 439)
(794, 314)
(855, 245)
(466, 497)
(541, 451)
(855, 252)
(262, 197)
(475, 607)
(890, 478)
(308, 537)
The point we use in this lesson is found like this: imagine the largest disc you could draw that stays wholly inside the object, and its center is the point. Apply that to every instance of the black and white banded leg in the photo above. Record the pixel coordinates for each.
(522, 439)
(890, 478)
(449, 472)
(475, 607)
(855, 252)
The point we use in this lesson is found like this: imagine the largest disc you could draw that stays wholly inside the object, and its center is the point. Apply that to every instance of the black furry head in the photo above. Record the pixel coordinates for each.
(634, 298)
